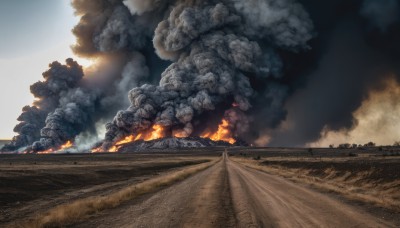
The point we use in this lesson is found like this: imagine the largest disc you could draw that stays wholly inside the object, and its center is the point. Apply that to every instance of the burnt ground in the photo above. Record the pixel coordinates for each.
(385, 168)
(33, 183)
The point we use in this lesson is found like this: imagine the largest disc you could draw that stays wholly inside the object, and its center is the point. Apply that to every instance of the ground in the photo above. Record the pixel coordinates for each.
(220, 187)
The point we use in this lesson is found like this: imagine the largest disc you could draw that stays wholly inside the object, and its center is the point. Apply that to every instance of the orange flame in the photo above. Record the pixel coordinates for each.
(67, 145)
(180, 134)
(97, 150)
(156, 132)
(49, 151)
(222, 134)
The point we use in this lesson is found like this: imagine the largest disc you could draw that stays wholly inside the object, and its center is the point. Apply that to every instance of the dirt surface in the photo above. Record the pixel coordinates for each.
(380, 170)
(231, 195)
(32, 184)
(263, 200)
(202, 200)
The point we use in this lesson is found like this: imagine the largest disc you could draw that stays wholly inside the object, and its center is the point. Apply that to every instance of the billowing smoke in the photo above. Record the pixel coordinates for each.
(279, 71)
(59, 80)
(69, 104)
(355, 50)
(215, 49)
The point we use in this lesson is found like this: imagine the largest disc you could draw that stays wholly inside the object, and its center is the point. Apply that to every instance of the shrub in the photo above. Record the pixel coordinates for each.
(351, 154)
(310, 151)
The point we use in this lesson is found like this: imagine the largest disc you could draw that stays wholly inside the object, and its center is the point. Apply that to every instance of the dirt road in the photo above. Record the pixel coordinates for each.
(231, 195)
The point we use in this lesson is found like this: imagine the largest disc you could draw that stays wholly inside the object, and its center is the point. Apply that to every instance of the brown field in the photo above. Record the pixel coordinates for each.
(32, 184)
(184, 187)
(369, 177)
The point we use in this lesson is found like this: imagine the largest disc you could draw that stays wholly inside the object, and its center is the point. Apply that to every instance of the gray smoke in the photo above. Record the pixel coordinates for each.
(356, 50)
(72, 117)
(68, 103)
(58, 80)
(181, 64)
(216, 51)
(139, 6)
(381, 13)
(284, 22)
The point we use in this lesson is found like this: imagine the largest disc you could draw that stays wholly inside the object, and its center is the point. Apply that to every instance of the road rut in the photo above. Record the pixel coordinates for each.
(229, 194)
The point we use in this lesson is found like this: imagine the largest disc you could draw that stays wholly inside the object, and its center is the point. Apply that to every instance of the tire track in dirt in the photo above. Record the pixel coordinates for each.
(202, 200)
(229, 194)
(263, 200)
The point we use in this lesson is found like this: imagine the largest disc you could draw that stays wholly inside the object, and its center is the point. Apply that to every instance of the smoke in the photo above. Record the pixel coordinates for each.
(375, 120)
(349, 58)
(381, 14)
(139, 7)
(69, 104)
(212, 55)
(58, 80)
(284, 22)
(279, 71)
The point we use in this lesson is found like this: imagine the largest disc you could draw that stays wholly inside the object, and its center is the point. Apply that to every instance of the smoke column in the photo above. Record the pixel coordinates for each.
(354, 52)
(215, 49)
(280, 72)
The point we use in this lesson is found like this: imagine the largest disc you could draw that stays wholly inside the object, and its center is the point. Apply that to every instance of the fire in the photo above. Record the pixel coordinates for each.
(114, 149)
(67, 145)
(97, 150)
(180, 135)
(222, 134)
(156, 132)
(49, 151)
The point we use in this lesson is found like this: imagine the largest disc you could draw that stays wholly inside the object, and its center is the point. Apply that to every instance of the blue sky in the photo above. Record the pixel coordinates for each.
(33, 34)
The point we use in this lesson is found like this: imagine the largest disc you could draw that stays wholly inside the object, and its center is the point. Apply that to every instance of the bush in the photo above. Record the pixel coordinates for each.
(351, 154)
(257, 158)
(370, 144)
(310, 151)
(344, 146)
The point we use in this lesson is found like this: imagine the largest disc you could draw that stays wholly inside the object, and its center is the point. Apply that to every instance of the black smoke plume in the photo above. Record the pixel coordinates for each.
(355, 50)
(291, 68)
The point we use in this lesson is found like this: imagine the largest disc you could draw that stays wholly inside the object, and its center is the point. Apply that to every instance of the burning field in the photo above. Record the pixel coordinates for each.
(264, 72)
(135, 138)
(183, 69)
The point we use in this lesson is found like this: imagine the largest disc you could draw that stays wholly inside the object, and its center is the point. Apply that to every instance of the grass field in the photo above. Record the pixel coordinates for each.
(368, 176)
(32, 184)
(57, 190)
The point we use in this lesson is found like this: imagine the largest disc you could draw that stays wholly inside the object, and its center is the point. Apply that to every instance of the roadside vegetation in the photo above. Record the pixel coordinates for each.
(79, 210)
(375, 181)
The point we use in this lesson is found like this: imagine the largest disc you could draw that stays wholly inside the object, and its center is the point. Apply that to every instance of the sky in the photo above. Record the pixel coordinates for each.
(33, 34)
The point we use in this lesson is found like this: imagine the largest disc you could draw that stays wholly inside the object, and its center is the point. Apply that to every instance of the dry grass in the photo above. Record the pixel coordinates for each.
(352, 186)
(79, 210)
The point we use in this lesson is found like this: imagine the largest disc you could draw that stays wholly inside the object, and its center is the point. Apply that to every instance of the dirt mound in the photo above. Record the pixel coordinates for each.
(173, 143)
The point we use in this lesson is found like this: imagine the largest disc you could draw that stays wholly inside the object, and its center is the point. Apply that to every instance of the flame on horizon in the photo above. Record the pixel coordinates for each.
(65, 146)
(157, 132)
(222, 134)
